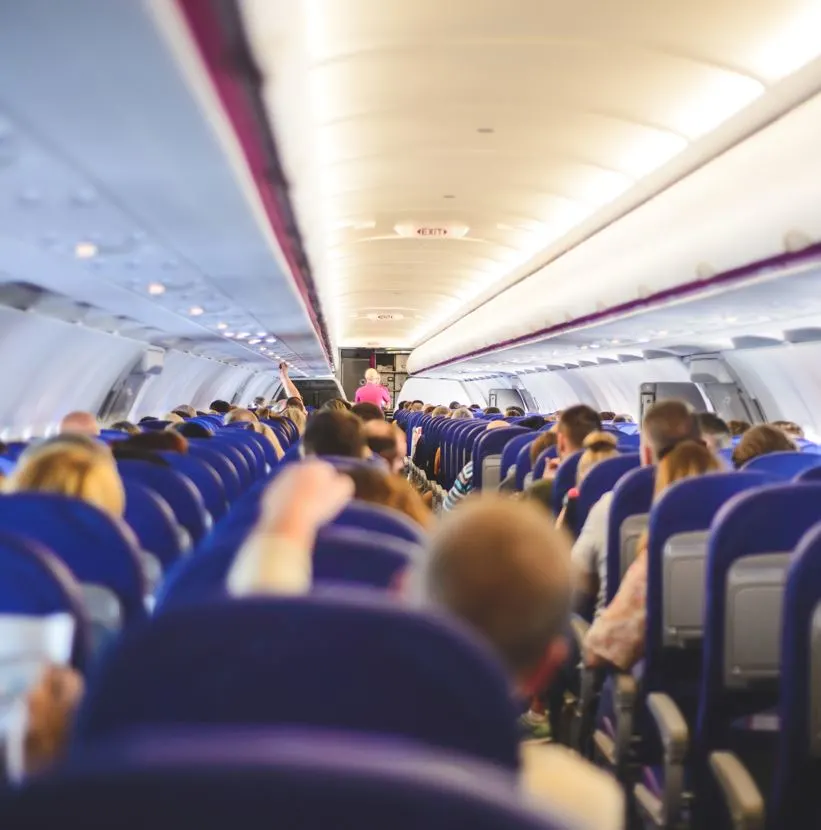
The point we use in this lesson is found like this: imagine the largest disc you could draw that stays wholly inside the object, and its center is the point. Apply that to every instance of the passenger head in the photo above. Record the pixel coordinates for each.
(623, 419)
(607, 416)
(761, 440)
(461, 414)
(296, 403)
(714, 431)
(428, 409)
(259, 401)
(666, 424)
(125, 426)
(243, 416)
(439, 411)
(335, 433)
(598, 446)
(738, 427)
(542, 442)
(368, 411)
(220, 407)
(492, 410)
(790, 428)
(532, 422)
(378, 487)
(454, 405)
(388, 441)
(297, 417)
(172, 418)
(163, 440)
(514, 412)
(372, 376)
(270, 436)
(417, 406)
(686, 459)
(81, 469)
(497, 424)
(189, 429)
(475, 407)
(80, 423)
(186, 410)
(575, 424)
(500, 566)
(337, 404)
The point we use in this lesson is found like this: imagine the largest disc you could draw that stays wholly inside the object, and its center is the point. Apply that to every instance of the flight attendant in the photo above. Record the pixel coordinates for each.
(373, 391)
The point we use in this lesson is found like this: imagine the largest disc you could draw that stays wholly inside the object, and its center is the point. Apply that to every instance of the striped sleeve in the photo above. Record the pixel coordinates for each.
(461, 488)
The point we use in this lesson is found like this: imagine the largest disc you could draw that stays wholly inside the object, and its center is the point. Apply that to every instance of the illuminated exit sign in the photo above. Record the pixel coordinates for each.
(421, 230)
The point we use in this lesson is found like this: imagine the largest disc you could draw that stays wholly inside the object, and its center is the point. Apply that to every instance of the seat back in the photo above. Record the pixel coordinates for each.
(487, 455)
(379, 519)
(101, 553)
(217, 778)
(228, 462)
(205, 478)
(784, 465)
(626, 521)
(154, 523)
(751, 541)
(511, 451)
(42, 616)
(565, 480)
(390, 671)
(600, 480)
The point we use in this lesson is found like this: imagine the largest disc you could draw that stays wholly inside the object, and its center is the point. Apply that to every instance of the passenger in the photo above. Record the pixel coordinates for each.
(192, 430)
(493, 410)
(297, 416)
(186, 410)
(172, 418)
(607, 416)
(147, 419)
(714, 432)
(263, 413)
(220, 407)
(259, 402)
(463, 486)
(80, 423)
(417, 406)
(461, 414)
(368, 412)
(790, 428)
(598, 447)
(294, 396)
(388, 441)
(373, 391)
(575, 424)
(454, 405)
(617, 634)
(738, 427)
(666, 424)
(440, 411)
(475, 407)
(337, 404)
(761, 440)
(514, 412)
(240, 416)
(543, 441)
(623, 419)
(80, 467)
(335, 433)
(164, 440)
(429, 408)
(126, 426)
(377, 487)
(496, 564)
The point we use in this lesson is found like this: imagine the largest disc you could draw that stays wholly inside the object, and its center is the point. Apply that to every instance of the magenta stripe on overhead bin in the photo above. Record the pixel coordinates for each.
(217, 33)
(809, 256)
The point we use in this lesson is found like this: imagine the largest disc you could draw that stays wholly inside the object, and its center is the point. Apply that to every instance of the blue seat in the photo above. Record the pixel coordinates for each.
(154, 523)
(262, 443)
(248, 444)
(785, 465)
(565, 480)
(177, 490)
(297, 778)
(602, 478)
(541, 462)
(219, 461)
(379, 519)
(627, 519)
(487, 453)
(340, 661)
(35, 583)
(204, 477)
(7, 465)
(154, 426)
(511, 452)
(98, 550)
(523, 465)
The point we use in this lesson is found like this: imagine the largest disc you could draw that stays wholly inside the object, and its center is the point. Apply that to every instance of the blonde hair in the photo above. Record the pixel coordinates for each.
(598, 446)
(372, 376)
(761, 440)
(297, 417)
(240, 415)
(71, 469)
(264, 429)
(173, 418)
(687, 459)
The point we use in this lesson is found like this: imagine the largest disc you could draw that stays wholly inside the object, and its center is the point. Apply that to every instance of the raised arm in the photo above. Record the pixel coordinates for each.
(287, 383)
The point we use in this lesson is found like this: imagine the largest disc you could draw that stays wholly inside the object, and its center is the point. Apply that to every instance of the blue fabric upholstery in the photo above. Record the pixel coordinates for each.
(600, 480)
(153, 522)
(785, 465)
(491, 442)
(565, 480)
(511, 451)
(351, 662)
(204, 477)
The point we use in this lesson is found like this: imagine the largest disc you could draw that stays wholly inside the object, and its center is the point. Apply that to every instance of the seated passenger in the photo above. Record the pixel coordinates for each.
(598, 447)
(172, 418)
(738, 427)
(454, 405)
(607, 416)
(80, 467)
(461, 413)
(623, 419)
(514, 412)
(617, 634)
(368, 411)
(666, 424)
(186, 410)
(373, 391)
(492, 410)
(80, 423)
(337, 404)
(440, 411)
(192, 430)
(498, 565)
(126, 426)
(259, 402)
(297, 416)
(714, 432)
(575, 424)
(761, 440)
(164, 440)
(463, 486)
(417, 406)
(220, 407)
(388, 441)
(378, 487)
(335, 433)
(790, 428)
(427, 410)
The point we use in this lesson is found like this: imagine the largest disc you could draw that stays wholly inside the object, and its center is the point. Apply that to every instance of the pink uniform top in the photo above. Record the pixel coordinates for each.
(373, 393)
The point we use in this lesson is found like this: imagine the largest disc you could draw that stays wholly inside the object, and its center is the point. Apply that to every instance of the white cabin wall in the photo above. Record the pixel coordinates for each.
(434, 390)
(49, 368)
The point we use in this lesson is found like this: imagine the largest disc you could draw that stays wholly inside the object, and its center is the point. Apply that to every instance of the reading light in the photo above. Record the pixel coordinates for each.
(196, 311)
(254, 341)
(156, 288)
(270, 340)
(85, 250)
(222, 326)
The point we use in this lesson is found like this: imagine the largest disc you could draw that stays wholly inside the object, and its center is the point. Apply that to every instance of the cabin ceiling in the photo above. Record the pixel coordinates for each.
(504, 126)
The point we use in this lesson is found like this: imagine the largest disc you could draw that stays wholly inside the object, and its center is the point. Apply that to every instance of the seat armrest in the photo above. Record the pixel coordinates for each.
(674, 735)
(741, 795)
(578, 630)
(581, 726)
(625, 694)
